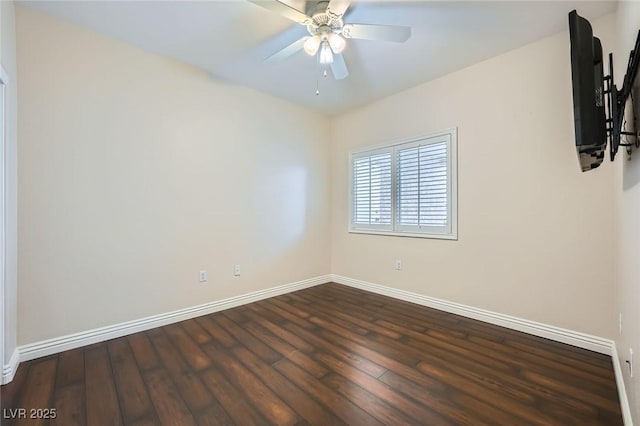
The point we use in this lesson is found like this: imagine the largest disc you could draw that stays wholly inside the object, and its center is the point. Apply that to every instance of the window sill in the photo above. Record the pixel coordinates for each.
(404, 234)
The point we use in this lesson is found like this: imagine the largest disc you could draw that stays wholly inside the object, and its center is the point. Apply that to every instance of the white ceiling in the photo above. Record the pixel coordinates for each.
(231, 38)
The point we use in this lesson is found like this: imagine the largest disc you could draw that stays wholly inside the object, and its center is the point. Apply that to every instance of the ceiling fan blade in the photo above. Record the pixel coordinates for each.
(377, 32)
(339, 67)
(337, 8)
(283, 10)
(287, 51)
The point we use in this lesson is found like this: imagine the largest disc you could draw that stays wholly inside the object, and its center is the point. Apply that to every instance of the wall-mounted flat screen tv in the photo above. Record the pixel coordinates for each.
(588, 93)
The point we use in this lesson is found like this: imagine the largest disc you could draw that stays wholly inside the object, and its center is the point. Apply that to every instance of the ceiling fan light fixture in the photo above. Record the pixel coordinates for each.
(326, 55)
(312, 45)
(336, 42)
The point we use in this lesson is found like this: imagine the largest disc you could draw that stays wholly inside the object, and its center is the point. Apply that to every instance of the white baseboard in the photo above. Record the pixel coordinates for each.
(71, 341)
(581, 340)
(9, 370)
(622, 392)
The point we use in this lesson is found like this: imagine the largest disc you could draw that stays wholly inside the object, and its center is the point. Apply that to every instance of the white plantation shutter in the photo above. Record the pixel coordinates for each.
(406, 188)
(372, 197)
(423, 187)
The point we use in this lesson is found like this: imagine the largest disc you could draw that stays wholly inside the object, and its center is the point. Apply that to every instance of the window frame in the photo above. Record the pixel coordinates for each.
(450, 136)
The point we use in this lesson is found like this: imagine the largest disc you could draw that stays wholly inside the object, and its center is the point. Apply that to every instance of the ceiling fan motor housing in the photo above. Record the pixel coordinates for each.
(324, 22)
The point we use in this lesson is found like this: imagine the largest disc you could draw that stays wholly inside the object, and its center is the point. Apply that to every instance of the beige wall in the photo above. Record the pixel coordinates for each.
(535, 234)
(136, 172)
(627, 203)
(8, 61)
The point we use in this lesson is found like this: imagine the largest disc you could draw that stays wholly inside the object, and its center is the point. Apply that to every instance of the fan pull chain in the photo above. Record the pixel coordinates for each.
(324, 75)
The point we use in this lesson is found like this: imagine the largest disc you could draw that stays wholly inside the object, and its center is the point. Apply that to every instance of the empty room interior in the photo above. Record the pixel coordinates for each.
(319, 212)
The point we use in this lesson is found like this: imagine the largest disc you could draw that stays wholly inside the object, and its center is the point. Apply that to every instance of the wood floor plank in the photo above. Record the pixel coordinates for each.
(254, 308)
(274, 409)
(567, 389)
(256, 329)
(325, 355)
(215, 415)
(410, 373)
(102, 403)
(189, 349)
(475, 366)
(143, 351)
(444, 375)
(335, 333)
(497, 358)
(366, 324)
(290, 313)
(281, 302)
(285, 349)
(366, 400)
(510, 385)
(420, 413)
(196, 332)
(303, 300)
(347, 356)
(132, 391)
(456, 371)
(409, 321)
(418, 317)
(236, 314)
(188, 383)
(144, 422)
(254, 344)
(70, 368)
(231, 399)
(586, 371)
(565, 357)
(343, 408)
(10, 393)
(284, 334)
(170, 407)
(450, 347)
(518, 404)
(307, 407)
(69, 404)
(512, 381)
(40, 380)
(443, 402)
(217, 331)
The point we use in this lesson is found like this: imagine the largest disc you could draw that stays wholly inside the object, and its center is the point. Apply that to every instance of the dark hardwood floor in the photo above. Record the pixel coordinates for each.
(325, 355)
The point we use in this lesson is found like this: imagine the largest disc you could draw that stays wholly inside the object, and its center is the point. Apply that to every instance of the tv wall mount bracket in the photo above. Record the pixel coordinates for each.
(616, 102)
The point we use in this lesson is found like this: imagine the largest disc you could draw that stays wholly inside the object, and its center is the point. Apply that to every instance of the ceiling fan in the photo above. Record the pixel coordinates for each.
(327, 32)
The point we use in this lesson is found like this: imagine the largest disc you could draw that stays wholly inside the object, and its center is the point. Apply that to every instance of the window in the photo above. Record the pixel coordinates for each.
(406, 188)
(372, 190)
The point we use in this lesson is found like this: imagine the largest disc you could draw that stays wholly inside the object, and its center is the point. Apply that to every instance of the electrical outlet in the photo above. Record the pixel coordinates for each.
(620, 323)
(203, 276)
(236, 270)
(398, 265)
